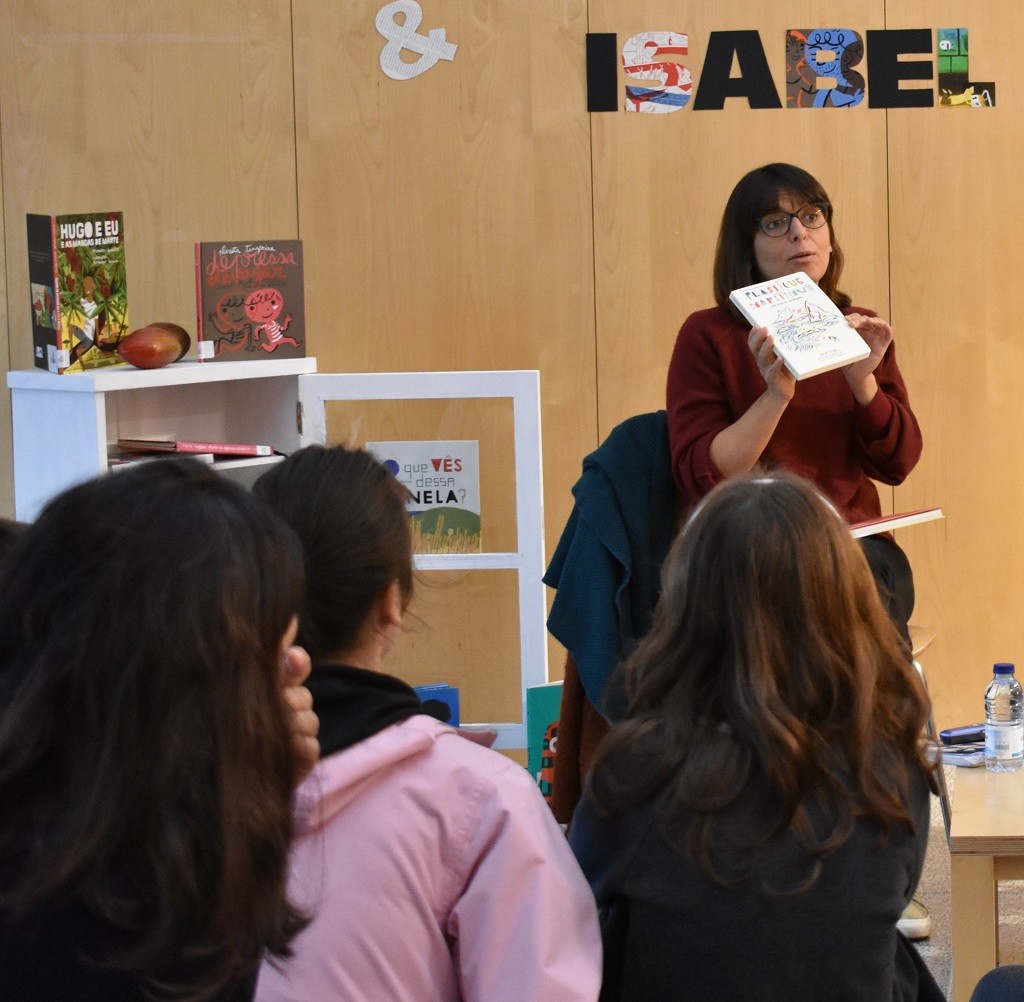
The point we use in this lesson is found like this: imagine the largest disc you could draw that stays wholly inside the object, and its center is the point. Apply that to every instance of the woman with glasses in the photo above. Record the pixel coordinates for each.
(733, 406)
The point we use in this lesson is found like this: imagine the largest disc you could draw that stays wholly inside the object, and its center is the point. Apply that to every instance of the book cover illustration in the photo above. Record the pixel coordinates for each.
(250, 300)
(811, 334)
(443, 479)
(78, 290)
(543, 706)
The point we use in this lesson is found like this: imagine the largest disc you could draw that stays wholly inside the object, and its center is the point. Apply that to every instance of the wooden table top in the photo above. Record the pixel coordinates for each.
(987, 814)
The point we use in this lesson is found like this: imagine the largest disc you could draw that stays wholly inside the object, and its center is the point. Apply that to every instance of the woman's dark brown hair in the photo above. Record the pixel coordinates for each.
(349, 513)
(772, 660)
(755, 194)
(146, 763)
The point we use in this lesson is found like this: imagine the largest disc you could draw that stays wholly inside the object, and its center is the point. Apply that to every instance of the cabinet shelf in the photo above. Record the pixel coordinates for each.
(63, 425)
(185, 372)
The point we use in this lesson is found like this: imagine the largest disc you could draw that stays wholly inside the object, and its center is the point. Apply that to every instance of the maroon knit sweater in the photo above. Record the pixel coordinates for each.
(823, 435)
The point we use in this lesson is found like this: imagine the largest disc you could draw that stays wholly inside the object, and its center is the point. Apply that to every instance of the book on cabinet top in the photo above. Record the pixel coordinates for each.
(77, 289)
(250, 300)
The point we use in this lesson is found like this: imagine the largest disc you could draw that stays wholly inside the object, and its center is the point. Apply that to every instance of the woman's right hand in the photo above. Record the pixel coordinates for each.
(778, 378)
(738, 447)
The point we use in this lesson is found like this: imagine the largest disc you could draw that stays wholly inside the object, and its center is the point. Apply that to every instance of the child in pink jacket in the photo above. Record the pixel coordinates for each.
(431, 866)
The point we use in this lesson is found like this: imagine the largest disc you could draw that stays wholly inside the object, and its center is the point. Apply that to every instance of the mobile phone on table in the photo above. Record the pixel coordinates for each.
(963, 735)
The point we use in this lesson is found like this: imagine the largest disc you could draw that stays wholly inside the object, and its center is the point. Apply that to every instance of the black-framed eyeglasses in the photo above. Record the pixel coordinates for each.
(811, 216)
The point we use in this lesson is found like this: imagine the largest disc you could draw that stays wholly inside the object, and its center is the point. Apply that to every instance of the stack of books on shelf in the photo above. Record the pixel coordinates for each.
(133, 450)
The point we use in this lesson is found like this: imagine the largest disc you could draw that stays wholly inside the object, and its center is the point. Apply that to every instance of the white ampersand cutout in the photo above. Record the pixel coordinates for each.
(431, 47)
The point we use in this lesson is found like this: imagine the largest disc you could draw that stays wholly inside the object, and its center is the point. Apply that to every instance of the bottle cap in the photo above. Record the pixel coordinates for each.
(1002, 668)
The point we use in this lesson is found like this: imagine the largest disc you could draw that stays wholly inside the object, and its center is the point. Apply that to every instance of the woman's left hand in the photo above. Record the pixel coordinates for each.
(860, 375)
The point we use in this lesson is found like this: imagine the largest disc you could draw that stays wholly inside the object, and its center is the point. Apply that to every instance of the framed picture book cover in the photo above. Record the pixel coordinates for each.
(78, 290)
(443, 479)
(250, 300)
(811, 334)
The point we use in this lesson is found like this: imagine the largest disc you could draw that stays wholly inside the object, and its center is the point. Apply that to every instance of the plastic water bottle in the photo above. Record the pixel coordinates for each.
(1004, 721)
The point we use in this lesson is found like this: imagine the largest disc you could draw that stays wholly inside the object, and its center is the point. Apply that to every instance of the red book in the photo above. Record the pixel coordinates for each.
(886, 523)
(250, 300)
(172, 445)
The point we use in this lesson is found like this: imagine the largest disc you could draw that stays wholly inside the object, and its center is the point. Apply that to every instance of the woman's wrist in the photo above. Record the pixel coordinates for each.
(778, 396)
(864, 390)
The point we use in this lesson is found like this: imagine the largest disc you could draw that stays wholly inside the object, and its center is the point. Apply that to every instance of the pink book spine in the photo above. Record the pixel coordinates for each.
(225, 448)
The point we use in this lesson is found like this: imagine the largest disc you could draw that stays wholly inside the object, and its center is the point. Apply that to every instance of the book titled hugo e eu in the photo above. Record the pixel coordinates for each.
(78, 292)
(811, 334)
(250, 300)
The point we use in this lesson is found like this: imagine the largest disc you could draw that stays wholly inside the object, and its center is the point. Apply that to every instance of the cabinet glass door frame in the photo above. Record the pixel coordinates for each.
(522, 387)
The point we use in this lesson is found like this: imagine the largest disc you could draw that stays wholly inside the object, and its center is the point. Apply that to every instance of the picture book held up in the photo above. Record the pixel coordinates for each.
(811, 334)
(250, 301)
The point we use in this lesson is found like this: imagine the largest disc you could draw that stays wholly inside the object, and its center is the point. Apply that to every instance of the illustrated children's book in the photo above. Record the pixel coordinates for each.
(250, 301)
(79, 297)
(443, 479)
(811, 334)
(543, 706)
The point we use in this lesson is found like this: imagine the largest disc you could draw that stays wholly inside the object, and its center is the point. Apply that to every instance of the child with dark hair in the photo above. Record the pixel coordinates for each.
(433, 866)
(148, 737)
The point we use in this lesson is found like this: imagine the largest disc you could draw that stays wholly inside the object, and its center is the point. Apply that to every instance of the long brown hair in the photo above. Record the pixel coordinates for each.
(770, 658)
(755, 194)
(146, 764)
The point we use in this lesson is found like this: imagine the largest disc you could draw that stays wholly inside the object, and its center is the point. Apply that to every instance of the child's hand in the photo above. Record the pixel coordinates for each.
(305, 724)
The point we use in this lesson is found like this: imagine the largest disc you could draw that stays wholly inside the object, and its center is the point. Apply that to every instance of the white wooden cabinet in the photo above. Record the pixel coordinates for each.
(64, 424)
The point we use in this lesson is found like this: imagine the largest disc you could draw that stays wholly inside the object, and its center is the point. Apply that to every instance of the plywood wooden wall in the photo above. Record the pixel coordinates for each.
(955, 218)
(477, 216)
